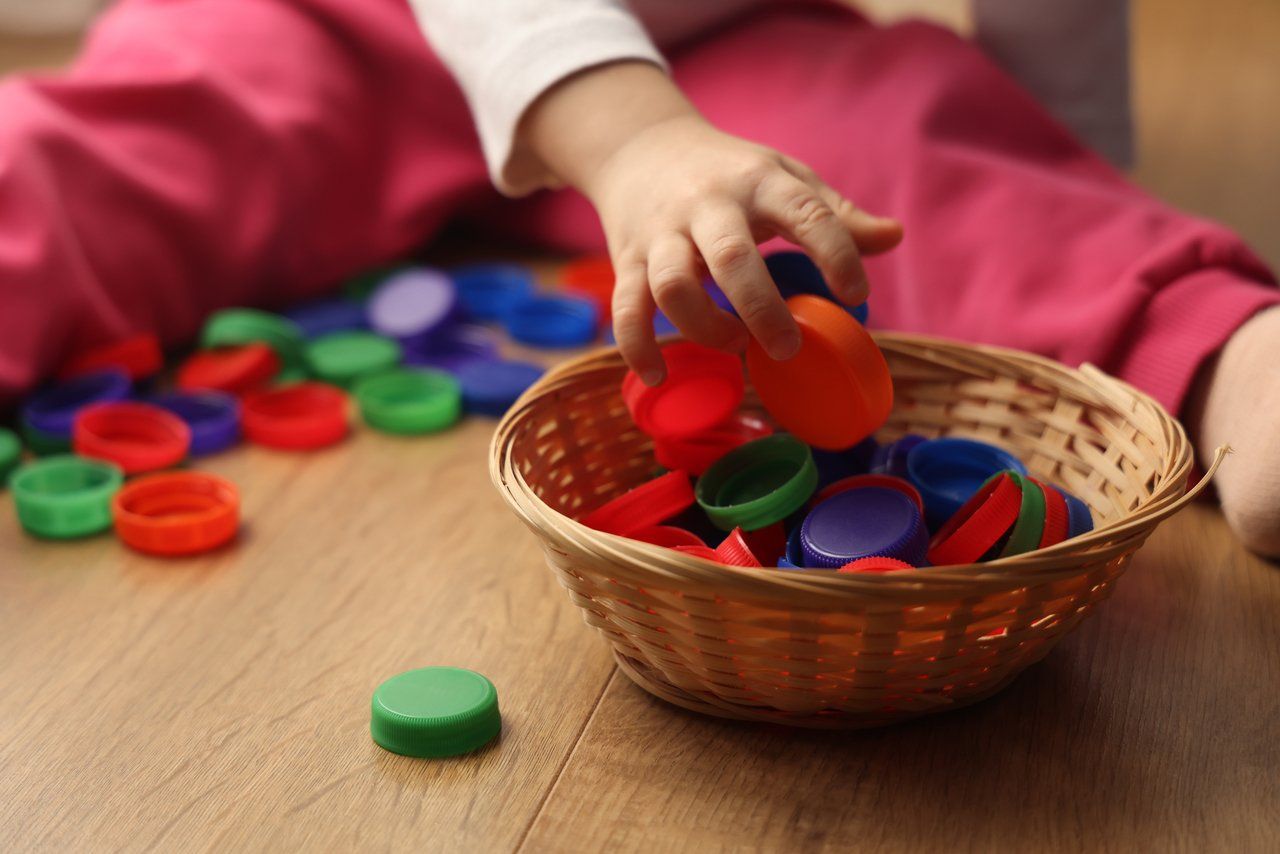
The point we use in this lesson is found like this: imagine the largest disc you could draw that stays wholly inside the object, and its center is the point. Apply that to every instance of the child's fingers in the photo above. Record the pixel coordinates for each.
(676, 284)
(633, 323)
(724, 239)
(800, 213)
(873, 234)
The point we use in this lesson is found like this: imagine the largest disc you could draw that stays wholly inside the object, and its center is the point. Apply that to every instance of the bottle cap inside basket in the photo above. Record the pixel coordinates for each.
(758, 484)
(978, 524)
(302, 416)
(860, 481)
(1057, 524)
(667, 536)
(644, 506)
(891, 458)
(136, 436)
(435, 712)
(837, 390)
(867, 522)
(1029, 528)
(948, 471)
(177, 513)
(877, 563)
(702, 389)
(1079, 519)
(695, 454)
(63, 497)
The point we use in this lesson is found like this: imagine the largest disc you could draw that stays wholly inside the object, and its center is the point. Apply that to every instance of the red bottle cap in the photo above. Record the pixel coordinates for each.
(137, 437)
(837, 390)
(874, 564)
(734, 550)
(667, 536)
(236, 370)
(644, 506)
(696, 453)
(138, 356)
(700, 551)
(1056, 516)
(176, 513)
(859, 481)
(768, 543)
(978, 524)
(301, 416)
(703, 387)
(592, 277)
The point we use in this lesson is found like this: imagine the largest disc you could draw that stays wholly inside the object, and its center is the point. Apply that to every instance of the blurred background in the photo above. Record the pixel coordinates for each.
(1206, 93)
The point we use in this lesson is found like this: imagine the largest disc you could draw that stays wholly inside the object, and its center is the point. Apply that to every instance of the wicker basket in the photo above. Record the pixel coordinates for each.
(819, 649)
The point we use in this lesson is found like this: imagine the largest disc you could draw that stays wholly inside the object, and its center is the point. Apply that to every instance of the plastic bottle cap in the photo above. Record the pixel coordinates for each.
(435, 712)
(891, 458)
(302, 416)
(593, 277)
(876, 563)
(410, 402)
(43, 444)
(695, 454)
(760, 483)
(452, 347)
(52, 412)
(139, 356)
(1029, 528)
(835, 465)
(231, 327)
(553, 321)
(667, 536)
(1057, 524)
(735, 551)
(491, 387)
(860, 481)
(359, 287)
(325, 316)
(795, 273)
(702, 389)
(873, 521)
(10, 453)
(794, 556)
(212, 416)
(948, 471)
(837, 390)
(768, 543)
(644, 506)
(704, 552)
(978, 524)
(413, 303)
(64, 497)
(138, 437)
(344, 357)
(236, 370)
(1079, 519)
(176, 513)
(489, 291)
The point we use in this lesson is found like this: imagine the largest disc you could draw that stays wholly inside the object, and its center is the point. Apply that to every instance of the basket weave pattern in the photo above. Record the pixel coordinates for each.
(825, 650)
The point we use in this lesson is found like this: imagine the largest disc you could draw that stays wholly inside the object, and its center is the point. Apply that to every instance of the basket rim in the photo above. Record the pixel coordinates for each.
(645, 562)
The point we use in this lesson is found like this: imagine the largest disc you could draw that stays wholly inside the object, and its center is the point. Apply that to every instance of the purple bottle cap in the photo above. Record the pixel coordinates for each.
(214, 418)
(325, 316)
(52, 412)
(868, 522)
(891, 458)
(412, 304)
(452, 347)
(490, 387)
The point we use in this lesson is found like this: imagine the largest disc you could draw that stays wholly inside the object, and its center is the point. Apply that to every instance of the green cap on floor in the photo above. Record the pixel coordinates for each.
(435, 711)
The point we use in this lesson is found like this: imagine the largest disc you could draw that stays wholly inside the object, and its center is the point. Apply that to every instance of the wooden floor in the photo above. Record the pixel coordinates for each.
(222, 703)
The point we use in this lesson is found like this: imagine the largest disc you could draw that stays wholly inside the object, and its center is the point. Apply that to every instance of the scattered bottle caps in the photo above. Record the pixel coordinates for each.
(176, 513)
(65, 497)
(138, 437)
(489, 291)
(412, 304)
(213, 417)
(491, 387)
(322, 317)
(235, 370)
(301, 416)
(409, 402)
(235, 326)
(553, 321)
(435, 712)
(452, 347)
(10, 454)
(52, 412)
(341, 358)
(139, 356)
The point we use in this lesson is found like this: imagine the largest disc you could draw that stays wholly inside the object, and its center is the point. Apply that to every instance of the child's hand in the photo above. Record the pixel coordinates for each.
(678, 198)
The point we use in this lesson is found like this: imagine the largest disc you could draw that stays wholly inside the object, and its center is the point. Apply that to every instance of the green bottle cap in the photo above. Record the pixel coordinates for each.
(435, 711)
(65, 497)
(233, 326)
(43, 444)
(343, 357)
(410, 401)
(10, 452)
(1027, 531)
(758, 483)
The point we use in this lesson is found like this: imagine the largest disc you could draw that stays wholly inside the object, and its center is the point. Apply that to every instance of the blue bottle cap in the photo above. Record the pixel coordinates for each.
(868, 522)
(1079, 519)
(489, 291)
(795, 273)
(490, 387)
(452, 347)
(412, 304)
(212, 416)
(51, 412)
(861, 313)
(948, 471)
(324, 316)
(891, 458)
(553, 321)
(837, 465)
(794, 557)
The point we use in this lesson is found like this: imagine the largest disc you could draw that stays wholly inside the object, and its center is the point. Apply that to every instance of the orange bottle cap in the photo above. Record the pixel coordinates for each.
(176, 513)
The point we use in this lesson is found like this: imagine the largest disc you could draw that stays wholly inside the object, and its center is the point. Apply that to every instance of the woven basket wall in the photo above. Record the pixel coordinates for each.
(825, 650)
